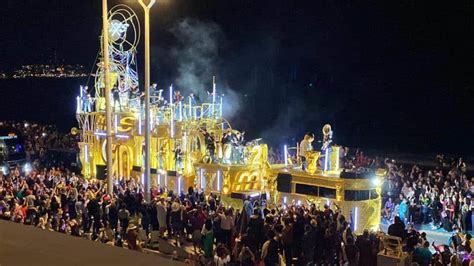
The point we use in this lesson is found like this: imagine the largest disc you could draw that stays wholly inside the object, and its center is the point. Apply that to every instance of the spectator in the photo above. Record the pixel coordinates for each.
(397, 228)
(161, 213)
(227, 226)
(132, 238)
(352, 252)
(208, 239)
(176, 216)
(364, 247)
(124, 216)
(247, 257)
(222, 256)
(271, 250)
(422, 255)
(197, 220)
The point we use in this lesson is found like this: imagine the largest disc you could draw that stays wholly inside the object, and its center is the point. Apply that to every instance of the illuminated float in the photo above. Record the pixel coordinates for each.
(356, 193)
(184, 156)
(180, 156)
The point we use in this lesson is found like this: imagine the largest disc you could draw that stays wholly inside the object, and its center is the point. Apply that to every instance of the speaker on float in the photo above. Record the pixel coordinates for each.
(284, 182)
(101, 172)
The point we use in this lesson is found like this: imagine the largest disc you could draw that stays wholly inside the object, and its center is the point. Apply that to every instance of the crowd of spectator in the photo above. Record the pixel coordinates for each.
(59, 201)
(440, 196)
(40, 138)
(56, 199)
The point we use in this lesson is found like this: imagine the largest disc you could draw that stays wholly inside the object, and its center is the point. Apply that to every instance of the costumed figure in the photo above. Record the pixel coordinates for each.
(326, 147)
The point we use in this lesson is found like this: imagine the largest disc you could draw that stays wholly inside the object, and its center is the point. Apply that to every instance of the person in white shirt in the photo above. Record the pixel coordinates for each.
(305, 147)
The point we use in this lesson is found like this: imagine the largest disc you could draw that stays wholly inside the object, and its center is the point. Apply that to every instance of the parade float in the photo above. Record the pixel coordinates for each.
(193, 145)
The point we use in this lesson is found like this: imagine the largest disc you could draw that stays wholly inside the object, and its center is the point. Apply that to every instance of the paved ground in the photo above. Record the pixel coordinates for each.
(26, 245)
(439, 236)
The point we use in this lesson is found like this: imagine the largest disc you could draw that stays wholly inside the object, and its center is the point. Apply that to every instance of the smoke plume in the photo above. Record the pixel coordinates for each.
(197, 58)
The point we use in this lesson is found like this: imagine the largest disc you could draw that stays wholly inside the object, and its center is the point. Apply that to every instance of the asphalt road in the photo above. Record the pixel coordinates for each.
(27, 245)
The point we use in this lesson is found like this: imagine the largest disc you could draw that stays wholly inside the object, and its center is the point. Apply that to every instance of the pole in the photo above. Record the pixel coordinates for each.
(171, 94)
(146, 10)
(213, 95)
(108, 107)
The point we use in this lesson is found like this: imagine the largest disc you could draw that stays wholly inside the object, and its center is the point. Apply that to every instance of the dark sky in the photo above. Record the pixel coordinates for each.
(397, 74)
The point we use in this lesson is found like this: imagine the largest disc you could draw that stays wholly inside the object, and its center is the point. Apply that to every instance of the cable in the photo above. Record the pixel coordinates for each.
(92, 68)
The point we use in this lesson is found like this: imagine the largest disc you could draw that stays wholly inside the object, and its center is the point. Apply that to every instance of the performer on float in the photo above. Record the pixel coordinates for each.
(177, 97)
(84, 94)
(161, 158)
(155, 94)
(192, 99)
(210, 144)
(305, 147)
(178, 158)
(116, 97)
(238, 147)
(135, 96)
(219, 148)
(226, 146)
(89, 102)
(326, 147)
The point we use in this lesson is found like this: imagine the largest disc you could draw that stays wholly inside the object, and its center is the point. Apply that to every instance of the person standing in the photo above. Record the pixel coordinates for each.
(112, 213)
(352, 252)
(93, 210)
(124, 217)
(305, 147)
(226, 146)
(116, 98)
(308, 241)
(422, 255)
(89, 103)
(465, 213)
(178, 157)
(245, 215)
(287, 241)
(176, 219)
(208, 239)
(197, 220)
(425, 203)
(161, 215)
(364, 246)
(271, 250)
(227, 226)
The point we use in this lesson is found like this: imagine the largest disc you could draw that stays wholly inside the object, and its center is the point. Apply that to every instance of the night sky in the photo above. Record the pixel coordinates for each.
(386, 74)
